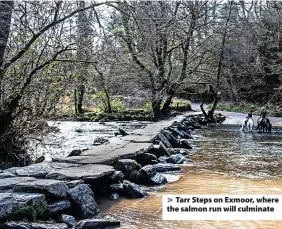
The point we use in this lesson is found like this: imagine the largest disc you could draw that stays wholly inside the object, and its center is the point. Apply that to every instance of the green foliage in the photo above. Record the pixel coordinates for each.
(117, 105)
(147, 106)
(242, 108)
(30, 212)
(181, 105)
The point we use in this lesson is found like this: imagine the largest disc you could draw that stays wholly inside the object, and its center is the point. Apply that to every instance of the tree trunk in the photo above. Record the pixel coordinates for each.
(6, 8)
(80, 95)
(156, 107)
(75, 102)
(109, 106)
(165, 107)
(83, 31)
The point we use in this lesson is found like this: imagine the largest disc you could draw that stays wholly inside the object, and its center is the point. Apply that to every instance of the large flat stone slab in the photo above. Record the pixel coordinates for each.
(11, 201)
(7, 184)
(83, 172)
(129, 150)
(51, 188)
(39, 170)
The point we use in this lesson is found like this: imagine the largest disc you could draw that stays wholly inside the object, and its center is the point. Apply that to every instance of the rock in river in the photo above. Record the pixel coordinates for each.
(67, 219)
(85, 172)
(6, 174)
(117, 176)
(149, 176)
(8, 184)
(127, 165)
(146, 158)
(177, 159)
(9, 202)
(133, 190)
(51, 188)
(167, 167)
(84, 202)
(35, 225)
(57, 207)
(98, 223)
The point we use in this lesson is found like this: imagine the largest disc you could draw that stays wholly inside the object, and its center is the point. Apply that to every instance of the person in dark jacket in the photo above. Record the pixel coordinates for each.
(250, 115)
(263, 114)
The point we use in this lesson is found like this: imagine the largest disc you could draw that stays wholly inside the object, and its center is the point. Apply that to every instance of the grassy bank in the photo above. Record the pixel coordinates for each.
(122, 113)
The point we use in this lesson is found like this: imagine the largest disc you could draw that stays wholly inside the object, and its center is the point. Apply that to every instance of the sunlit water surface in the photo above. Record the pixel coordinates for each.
(77, 135)
(226, 162)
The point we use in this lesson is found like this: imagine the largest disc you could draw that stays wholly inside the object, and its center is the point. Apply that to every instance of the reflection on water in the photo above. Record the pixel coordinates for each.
(226, 162)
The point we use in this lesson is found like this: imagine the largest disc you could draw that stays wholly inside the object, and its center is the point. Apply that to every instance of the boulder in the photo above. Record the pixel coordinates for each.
(122, 132)
(176, 159)
(45, 225)
(39, 160)
(16, 225)
(73, 183)
(173, 141)
(7, 184)
(38, 225)
(58, 207)
(185, 144)
(146, 158)
(9, 202)
(114, 196)
(157, 179)
(67, 219)
(127, 165)
(39, 170)
(117, 176)
(133, 176)
(100, 141)
(75, 152)
(164, 140)
(132, 190)
(5, 174)
(176, 132)
(147, 171)
(84, 202)
(162, 159)
(185, 134)
(165, 149)
(87, 172)
(115, 188)
(51, 188)
(155, 150)
(163, 168)
(149, 176)
(98, 223)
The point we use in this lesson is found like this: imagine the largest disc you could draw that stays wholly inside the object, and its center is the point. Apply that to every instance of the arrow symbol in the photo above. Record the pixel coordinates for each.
(169, 200)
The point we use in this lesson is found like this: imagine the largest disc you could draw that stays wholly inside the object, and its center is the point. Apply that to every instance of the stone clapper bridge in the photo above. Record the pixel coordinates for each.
(57, 190)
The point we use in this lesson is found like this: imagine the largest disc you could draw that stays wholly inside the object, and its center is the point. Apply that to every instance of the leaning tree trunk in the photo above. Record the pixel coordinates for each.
(216, 93)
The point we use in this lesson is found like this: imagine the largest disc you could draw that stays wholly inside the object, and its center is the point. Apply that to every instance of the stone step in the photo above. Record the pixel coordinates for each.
(10, 202)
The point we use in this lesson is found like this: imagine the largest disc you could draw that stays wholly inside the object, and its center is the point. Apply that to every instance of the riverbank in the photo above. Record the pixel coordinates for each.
(113, 170)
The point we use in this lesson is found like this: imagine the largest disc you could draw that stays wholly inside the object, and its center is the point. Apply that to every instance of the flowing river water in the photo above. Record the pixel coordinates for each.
(226, 161)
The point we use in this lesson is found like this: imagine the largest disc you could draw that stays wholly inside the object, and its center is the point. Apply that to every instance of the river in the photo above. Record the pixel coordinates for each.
(73, 135)
(226, 161)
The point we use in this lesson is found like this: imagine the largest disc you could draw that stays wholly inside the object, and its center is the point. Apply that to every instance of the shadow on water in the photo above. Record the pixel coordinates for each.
(226, 162)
